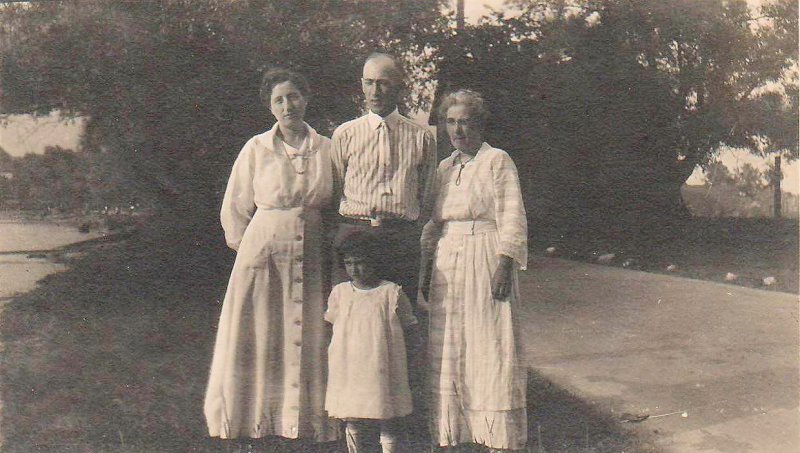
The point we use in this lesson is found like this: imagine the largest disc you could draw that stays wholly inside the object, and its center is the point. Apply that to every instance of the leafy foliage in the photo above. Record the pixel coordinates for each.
(747, 179)
(608, 105)
(171, 87)
(55, 179)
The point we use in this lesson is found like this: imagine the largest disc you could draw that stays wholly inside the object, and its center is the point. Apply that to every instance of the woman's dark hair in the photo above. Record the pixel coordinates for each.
(277, 76)
(361, 244)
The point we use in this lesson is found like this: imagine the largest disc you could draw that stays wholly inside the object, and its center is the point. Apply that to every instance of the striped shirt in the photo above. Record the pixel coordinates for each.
(370, 184)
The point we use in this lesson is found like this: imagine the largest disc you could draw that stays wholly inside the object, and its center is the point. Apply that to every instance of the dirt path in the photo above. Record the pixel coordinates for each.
(715, 366)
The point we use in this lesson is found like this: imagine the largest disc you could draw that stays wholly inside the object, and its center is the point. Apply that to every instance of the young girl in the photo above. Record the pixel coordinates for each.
(367, 373)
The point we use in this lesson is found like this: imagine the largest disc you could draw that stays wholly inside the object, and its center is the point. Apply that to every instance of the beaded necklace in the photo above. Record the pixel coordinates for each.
(303, 159)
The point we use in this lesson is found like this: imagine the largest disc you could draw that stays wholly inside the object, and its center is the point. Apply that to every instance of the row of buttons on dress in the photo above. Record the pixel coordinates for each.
(298, 299)
(297, 322)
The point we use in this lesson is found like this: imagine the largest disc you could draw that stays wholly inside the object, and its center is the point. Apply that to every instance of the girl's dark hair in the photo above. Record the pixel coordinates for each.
(279, 75)
(362, 244)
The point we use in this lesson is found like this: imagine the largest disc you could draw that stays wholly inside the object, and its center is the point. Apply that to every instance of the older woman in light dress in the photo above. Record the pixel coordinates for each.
(472, 247)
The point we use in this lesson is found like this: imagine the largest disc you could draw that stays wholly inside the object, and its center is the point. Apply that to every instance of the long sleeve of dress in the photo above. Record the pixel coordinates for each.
(339, 167)
(427, 176)
(511, 221)
(432, 229)
(238, 205)
(430, 234)
(402, 307)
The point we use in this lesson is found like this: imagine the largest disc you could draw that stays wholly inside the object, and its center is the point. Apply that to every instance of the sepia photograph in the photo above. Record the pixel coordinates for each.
(432, 226)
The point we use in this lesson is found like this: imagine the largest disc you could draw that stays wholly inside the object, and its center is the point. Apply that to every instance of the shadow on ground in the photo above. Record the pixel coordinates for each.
(113, 355)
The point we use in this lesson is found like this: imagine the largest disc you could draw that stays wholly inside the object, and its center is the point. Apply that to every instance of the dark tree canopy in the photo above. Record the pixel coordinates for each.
(170, 88)
(608, 105)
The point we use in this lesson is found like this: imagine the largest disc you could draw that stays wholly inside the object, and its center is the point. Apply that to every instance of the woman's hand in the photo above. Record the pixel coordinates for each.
(501, 280)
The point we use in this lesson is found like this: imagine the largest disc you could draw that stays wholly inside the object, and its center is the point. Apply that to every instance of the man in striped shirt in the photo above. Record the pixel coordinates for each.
(383, 169)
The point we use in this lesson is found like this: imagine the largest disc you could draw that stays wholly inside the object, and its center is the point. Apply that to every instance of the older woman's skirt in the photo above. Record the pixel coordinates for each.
(477, 378)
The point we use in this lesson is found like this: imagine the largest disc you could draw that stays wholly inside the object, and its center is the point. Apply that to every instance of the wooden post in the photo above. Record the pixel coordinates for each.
(443, 146)
(776, 184)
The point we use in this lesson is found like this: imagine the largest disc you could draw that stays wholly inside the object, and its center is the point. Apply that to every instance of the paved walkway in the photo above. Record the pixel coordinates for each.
(721, 360)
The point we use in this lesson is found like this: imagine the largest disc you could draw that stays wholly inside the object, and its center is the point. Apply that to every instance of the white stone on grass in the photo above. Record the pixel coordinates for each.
(606, 258)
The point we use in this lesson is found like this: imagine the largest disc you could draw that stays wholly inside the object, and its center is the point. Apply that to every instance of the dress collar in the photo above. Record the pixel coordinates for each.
(481, 151)
(273, 140)
(375, 120)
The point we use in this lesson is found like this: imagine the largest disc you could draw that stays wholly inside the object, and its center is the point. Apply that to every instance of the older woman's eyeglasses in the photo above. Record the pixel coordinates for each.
(464, 122)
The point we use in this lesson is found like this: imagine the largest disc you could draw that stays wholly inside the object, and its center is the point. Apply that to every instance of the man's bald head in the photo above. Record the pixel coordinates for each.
(381, 82)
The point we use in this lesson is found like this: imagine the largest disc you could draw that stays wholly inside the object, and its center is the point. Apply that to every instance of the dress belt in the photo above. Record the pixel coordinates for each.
(468, 227)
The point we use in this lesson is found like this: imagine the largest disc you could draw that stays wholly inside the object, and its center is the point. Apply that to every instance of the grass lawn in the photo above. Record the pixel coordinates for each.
(113, 356)
(701, 248)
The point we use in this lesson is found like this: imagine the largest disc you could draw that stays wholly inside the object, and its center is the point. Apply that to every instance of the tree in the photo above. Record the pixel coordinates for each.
(609, 105)
(53, 180)
(6, 166)
(750, 181)
(170, 87)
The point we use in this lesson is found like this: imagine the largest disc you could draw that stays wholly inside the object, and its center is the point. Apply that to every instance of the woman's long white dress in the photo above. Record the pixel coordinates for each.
(268, 372)
(477, 378)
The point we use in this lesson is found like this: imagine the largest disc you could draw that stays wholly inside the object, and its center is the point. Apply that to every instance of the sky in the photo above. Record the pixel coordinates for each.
(22, 134)
(474, 9)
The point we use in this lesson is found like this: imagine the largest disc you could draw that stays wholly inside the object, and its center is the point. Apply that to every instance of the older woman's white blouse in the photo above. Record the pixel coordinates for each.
(488, 189)
(262, 178)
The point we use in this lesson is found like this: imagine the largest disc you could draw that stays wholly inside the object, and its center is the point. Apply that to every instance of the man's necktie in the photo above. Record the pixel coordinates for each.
(385, 157)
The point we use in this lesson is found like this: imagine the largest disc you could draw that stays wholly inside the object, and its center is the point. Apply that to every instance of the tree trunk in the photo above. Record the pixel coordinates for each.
(776, 184)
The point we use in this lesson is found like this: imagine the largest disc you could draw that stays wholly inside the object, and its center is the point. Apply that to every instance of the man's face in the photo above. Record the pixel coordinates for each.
(381, 85)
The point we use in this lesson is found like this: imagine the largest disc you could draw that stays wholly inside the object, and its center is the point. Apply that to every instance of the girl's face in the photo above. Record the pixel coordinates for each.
(360, 270)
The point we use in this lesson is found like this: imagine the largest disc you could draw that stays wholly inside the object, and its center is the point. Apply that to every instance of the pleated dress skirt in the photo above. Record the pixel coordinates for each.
(477, 379)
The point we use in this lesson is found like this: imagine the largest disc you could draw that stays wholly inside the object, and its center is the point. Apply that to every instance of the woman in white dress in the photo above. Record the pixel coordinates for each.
(472, 248)
(268, 372)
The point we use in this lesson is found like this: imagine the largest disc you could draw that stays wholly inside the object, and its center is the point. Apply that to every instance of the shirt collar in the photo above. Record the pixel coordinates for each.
(375, 120)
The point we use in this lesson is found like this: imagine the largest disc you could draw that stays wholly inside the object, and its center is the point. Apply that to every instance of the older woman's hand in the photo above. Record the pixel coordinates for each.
(501, 280)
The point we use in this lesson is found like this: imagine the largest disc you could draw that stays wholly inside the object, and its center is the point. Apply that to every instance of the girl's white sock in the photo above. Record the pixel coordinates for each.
(388, 442)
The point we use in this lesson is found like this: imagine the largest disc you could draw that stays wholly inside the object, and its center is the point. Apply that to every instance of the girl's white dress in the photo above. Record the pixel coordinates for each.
(269, 367)
(368, 376)
(477, 376)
